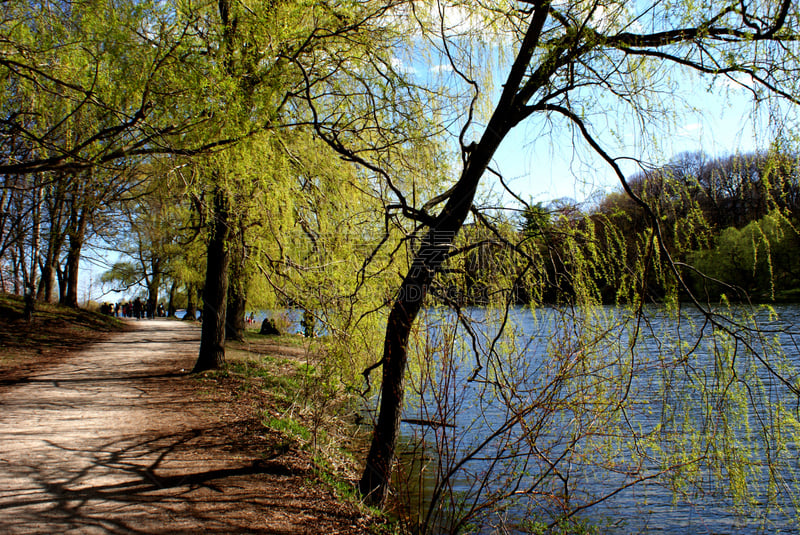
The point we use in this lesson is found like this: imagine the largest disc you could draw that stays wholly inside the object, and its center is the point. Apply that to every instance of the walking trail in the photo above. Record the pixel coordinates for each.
(116, 438)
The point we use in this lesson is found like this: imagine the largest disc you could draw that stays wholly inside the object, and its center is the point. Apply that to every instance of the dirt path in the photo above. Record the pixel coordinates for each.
(116, 439)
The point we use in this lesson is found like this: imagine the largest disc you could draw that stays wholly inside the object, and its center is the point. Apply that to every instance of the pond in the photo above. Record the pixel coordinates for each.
(604, 420)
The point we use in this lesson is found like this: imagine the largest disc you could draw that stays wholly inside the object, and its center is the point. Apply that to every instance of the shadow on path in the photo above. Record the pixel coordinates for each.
(116, 439)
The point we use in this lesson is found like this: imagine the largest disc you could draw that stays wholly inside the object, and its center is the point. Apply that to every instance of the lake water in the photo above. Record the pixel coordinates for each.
(661, 423)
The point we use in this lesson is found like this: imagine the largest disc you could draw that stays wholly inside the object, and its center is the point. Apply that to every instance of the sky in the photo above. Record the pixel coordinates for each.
(542, 165)
(91, 269)
(544, 168)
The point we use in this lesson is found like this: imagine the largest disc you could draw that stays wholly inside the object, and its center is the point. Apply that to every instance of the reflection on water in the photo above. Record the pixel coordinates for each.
(660, 424)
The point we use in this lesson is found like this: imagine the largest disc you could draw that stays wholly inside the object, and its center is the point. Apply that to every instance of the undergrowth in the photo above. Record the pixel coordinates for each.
(305, 405)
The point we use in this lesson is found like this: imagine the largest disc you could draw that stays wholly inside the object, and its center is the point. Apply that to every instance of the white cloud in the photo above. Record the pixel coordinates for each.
(690, 129)
(442, 67)
(738, 81)
(402, 67)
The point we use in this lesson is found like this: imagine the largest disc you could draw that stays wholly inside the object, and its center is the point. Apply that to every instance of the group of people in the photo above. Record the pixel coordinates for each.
(134, 309)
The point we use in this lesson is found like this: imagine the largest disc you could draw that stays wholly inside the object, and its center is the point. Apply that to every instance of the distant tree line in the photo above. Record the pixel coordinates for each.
(733, 219)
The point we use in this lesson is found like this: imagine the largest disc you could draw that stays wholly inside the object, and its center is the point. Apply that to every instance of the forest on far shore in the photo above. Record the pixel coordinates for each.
(730, 223)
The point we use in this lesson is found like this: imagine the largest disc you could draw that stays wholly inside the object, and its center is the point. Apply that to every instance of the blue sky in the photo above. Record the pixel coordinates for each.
(710, 115)
(718, 119)
(543, 168)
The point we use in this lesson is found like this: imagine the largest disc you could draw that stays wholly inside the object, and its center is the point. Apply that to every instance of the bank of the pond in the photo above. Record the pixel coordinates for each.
(300, 410)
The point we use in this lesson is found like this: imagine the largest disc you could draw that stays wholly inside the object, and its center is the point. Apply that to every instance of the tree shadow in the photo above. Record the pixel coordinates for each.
(117, 440)
(171, 483)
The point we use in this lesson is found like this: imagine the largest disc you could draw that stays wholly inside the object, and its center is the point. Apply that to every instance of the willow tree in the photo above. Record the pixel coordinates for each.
(253, 77)
(240, 68)
(263, 69)
(575, 64)
(90, 84)
(90, 90)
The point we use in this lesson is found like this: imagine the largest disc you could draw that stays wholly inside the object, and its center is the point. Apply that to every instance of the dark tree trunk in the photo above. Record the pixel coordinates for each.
(62, 283)
(73, 262)
(374, 484)
(191, 306)
(16, 272)
(76, 234)
(48, 281)
(237, 298)
(428, 259)
(30, 284)
(236, 311)
(55, 242)
(153, 284)
(171, 305)
(30, 305)
(76, 238)
(215, 293)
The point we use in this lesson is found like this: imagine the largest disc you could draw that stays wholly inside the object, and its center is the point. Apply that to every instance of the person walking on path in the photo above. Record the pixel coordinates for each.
(137, 308)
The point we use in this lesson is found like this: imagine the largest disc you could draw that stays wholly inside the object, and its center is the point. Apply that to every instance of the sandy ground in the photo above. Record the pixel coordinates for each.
(117, 439)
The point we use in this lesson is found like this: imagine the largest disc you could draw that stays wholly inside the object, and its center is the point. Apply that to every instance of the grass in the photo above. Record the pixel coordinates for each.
(303, 403)
(289, 426)
(53, 330)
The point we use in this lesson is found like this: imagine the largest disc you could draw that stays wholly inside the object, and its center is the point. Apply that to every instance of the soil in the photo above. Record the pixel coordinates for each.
(118, 437)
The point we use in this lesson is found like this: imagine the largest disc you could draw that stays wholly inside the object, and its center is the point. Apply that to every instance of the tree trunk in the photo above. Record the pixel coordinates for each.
(153, 284)
(76, 234)
(428, 260)
(48, 281)
(76, 238)
(215, 293)
(171, 305)
(236, 311)
(30, 283)
(72, 266)
(374, 484)
(15, 272)
(36, 214)
(237, 298)
(62, 283)
(55, 241)
(191, 307)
